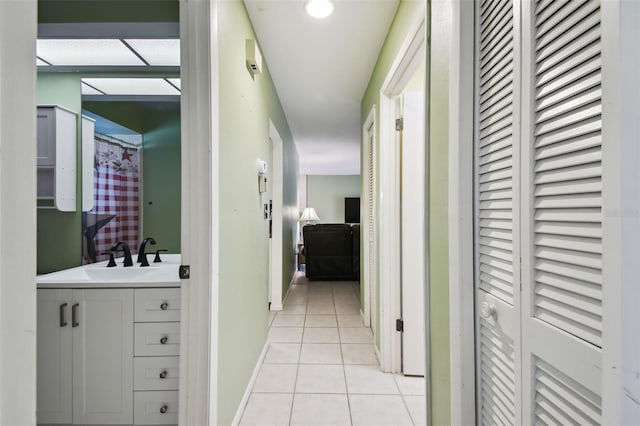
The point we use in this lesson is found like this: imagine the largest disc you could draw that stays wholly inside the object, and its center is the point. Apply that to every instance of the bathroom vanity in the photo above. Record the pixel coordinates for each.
(108, 345)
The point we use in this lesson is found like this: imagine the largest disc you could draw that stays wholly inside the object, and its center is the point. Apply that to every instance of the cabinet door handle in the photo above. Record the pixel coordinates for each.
(163, 374)
(164, 306)
(63, 321)
(164, 409)
(74, 315)
(164, 340)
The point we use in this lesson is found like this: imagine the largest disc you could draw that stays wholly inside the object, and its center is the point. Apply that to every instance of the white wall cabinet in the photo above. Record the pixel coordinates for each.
(56, 156)
(86, 363)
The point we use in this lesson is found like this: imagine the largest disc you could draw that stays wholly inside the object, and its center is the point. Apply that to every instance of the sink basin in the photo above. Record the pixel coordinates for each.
(120, 273)
(119, 276)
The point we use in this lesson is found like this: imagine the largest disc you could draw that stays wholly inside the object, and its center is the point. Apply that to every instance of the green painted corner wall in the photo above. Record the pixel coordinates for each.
(439, 213)
(246, 106)
(59, 239)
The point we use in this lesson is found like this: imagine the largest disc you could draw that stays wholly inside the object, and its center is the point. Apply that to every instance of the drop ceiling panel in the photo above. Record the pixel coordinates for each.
(88, 90)
(175, 82)
(86, 52)
(132, 86)
(157, 52)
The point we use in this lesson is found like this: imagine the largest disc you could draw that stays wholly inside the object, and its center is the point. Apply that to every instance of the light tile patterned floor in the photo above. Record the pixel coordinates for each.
(321, 367)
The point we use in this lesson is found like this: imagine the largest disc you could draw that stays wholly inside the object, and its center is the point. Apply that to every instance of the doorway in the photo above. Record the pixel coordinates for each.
(403, 183)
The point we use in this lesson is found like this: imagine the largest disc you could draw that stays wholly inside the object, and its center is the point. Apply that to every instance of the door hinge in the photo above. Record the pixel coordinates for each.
(184, 272)
(399, 124)
(399, 325)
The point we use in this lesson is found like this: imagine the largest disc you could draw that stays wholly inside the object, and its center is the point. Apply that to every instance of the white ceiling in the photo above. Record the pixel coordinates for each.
(321, 68)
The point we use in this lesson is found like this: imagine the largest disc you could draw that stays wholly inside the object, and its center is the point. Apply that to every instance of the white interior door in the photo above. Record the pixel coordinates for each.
(497, 248)
(538, 212)
(413, 232)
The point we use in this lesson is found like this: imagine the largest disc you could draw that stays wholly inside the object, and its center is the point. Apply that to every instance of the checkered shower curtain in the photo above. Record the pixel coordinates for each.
(117, 192)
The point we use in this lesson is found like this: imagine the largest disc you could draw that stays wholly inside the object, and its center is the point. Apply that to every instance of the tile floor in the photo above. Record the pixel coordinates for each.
(321, 367)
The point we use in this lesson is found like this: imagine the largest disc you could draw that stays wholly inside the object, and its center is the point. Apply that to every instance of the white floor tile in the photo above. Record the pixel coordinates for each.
(267, 409)
(272, 315)
(325, 308)
(350, 321)
(320, 379)
(369, 379)
(320, 410)
(285, 334)
(321, 321)
(318, 298)
(288, 321)
(283, 353)
(320, 353)
(276, 378)
(348, 309)
(410, 385)
(296, 299)
(293, 310)
(359, 353)
(378, 410)
(417, 406)
(355, 335)
(320, 335)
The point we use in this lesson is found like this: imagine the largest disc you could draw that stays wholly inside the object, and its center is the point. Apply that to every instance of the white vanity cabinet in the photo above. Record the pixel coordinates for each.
(85, 348)
(89, 371)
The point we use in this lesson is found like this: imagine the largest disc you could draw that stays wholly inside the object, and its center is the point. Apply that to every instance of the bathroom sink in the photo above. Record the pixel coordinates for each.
(120, 273)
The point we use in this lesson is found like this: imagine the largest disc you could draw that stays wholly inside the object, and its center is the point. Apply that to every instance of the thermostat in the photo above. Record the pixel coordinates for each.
(262, 167)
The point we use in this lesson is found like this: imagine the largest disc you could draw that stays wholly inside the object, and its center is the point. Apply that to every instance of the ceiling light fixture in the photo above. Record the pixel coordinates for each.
(319, 8)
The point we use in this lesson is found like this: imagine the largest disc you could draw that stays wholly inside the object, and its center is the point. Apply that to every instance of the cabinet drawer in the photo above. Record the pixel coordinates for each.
(156, 373)
(157, 339)
(157, 304)
(148, 408)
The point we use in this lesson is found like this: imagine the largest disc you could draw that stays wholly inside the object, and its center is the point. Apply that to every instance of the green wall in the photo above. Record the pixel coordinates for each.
(246, 105)
(438, 212)
(326, 195)
(59, 233)
(440, 25)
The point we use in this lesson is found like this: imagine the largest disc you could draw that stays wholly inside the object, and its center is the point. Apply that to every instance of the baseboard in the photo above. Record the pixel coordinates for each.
(252, 381)
(274, 307)
(293, 280)
(378, 355)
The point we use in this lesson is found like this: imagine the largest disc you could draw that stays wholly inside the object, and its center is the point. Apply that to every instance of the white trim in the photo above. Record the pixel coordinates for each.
(621, 220)
(461, 272)
(410, 55)
(277, 185)
(199, 230)
(284, 299)
(17, 213)
(249, 388)
(368, 282)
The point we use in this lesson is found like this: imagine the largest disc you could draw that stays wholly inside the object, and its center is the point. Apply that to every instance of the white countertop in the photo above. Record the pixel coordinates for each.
(97, 275)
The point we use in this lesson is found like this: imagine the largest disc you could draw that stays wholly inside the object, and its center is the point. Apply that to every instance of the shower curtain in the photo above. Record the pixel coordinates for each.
(116, 211)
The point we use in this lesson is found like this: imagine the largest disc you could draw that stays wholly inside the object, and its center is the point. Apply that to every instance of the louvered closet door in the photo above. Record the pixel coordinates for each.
(496, 235)
(562, 213)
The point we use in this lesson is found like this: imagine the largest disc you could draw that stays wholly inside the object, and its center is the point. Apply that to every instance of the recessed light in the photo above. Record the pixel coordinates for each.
(319, 8)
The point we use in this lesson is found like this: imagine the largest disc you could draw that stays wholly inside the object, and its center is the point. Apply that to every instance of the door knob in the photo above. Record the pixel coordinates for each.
(164, 306)
(164, 408)
(164, 340)
(488, 310)
(163, 374)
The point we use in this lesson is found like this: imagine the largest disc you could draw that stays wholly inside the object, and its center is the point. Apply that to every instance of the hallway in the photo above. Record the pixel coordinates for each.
(321, 367)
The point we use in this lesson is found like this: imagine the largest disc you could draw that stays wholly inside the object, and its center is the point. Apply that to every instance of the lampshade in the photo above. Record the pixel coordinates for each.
(309, 214)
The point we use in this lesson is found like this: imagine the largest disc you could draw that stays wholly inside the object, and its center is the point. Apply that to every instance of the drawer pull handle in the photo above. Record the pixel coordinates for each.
(163, 374)
(164, 340)
(164, 409)
(63, 321)
(74, 315)
(164, 306)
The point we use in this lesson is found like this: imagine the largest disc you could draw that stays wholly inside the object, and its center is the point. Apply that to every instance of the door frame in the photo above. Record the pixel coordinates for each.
(277, 182)
(369, 281)
(410, 56)
(200, 194)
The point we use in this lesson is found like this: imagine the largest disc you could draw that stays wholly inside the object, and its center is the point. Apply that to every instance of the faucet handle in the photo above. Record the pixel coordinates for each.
(157, 258)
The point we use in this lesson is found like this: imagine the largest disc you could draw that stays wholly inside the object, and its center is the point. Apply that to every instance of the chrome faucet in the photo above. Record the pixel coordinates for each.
(142, 256)
(122, 246)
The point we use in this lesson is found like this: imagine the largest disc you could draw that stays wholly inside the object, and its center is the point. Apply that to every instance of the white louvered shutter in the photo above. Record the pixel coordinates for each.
(562, 215)
(497, 251)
